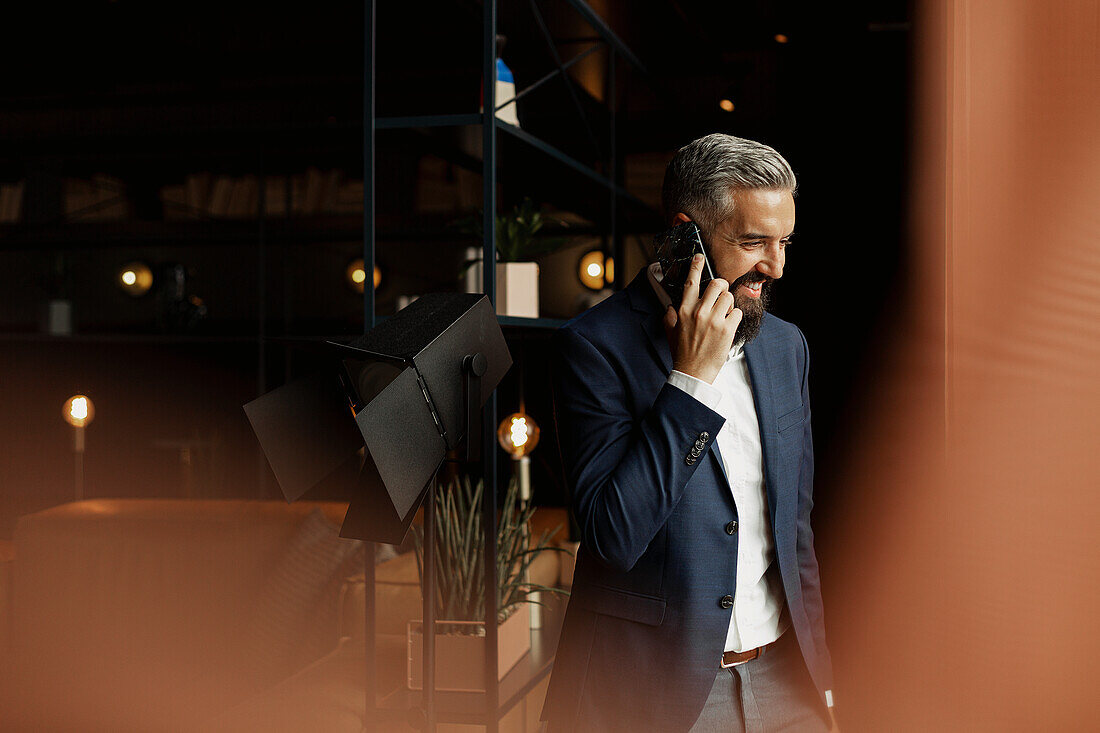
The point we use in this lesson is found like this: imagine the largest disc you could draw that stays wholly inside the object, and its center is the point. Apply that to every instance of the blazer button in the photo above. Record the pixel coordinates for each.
(704, 436)
(726, 602)
(731, 527)
(690, 460)
(700, 445)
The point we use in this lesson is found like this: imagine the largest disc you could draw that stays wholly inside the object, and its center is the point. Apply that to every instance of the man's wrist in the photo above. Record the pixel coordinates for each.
(708, 394)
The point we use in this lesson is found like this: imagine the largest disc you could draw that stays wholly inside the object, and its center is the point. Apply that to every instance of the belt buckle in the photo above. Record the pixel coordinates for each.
(759, 651)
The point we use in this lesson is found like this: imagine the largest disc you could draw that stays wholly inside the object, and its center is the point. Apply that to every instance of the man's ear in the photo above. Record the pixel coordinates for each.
(680, 218)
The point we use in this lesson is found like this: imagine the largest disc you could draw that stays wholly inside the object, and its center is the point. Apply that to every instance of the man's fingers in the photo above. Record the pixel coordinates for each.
(691, 284)
(670, 318)
(724, 304)
(717, 289)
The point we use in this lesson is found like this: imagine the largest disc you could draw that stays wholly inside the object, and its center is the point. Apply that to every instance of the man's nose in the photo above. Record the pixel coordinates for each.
(771, 263)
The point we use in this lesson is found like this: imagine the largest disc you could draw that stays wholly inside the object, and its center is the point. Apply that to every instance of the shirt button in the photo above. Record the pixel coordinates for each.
(726, 602)
(731, 527)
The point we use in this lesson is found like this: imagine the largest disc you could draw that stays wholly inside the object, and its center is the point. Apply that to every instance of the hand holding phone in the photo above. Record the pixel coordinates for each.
(701, 330)
(675, 250)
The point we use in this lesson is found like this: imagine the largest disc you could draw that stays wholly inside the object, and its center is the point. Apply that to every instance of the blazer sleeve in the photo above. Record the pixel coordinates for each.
(625, 476)
(807, 557)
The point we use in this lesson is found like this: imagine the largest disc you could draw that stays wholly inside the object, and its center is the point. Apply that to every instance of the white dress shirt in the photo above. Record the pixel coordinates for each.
(759, 602)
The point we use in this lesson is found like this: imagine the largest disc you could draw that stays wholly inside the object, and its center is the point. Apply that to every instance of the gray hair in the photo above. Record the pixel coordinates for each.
(700, 179)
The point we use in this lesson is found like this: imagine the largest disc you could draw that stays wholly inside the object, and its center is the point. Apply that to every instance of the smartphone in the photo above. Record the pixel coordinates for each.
(675, 250)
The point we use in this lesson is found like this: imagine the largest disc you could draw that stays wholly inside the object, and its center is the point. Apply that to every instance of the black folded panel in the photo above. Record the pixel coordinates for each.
(396, 392)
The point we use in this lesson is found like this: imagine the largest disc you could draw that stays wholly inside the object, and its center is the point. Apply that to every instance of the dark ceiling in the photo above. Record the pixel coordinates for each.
(119, 68)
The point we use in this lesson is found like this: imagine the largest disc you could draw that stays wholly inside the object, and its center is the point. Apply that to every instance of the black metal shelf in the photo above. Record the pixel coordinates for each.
(90, 234)
(596, 194)
(320, 229)
(152, 339)
(514, 326)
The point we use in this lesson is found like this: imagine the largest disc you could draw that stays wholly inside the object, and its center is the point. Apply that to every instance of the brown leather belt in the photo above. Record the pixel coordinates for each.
(731, 659)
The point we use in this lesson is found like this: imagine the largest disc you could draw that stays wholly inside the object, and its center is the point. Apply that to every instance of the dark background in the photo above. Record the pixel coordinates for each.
(121, 92)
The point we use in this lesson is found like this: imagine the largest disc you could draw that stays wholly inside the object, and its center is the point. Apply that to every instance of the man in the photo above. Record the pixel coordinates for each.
(686, 438)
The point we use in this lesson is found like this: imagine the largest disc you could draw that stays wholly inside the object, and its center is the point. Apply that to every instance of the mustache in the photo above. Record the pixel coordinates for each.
(752, 277)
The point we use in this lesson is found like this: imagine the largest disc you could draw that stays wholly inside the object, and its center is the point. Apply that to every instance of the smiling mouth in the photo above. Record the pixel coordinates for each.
(752, 290)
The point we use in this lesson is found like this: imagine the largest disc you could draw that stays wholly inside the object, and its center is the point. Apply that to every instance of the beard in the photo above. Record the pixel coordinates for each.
(752, 308)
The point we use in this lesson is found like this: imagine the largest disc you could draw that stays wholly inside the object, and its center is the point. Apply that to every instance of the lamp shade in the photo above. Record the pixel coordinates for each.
(380, 419)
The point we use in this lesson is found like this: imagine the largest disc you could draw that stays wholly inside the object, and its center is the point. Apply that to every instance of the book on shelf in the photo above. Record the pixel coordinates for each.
(11, 202)
(275, 195)
(220, 194)
(244, 198)
(197, 192)
(103, 198)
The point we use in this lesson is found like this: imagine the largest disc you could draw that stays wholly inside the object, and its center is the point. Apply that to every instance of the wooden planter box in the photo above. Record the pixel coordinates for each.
(460, 658)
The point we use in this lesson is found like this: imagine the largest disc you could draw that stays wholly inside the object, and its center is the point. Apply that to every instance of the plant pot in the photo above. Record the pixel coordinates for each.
(517, 286)
(460, 658)
(518, 289)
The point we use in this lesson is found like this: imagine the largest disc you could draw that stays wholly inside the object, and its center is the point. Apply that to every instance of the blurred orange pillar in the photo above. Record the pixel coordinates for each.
(969, 585)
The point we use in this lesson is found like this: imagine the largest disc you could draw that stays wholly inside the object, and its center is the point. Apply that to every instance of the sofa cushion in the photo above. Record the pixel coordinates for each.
(131, 614)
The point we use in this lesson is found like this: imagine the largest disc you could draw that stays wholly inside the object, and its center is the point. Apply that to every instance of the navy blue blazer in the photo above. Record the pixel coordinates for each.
(645, 628)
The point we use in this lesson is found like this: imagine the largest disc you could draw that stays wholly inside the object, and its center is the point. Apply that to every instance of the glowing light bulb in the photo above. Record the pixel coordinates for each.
(78, 411)
(597, 271)
(135, 278)
(357, 275)
(518, 434)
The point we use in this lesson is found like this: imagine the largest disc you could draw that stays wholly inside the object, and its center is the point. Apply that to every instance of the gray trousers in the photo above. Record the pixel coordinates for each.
(769, 694)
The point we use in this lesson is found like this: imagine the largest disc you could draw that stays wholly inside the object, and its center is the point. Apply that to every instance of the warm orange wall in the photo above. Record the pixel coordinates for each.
(970, 598)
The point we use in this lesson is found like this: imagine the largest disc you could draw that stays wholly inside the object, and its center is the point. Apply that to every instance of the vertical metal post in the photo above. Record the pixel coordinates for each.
(368, 162)
(428, 630)
(262, 471)
(369, 17)
(613, 174)
(488, 415)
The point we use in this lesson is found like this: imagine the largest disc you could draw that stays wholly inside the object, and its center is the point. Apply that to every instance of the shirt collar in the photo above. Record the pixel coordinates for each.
(655, 276)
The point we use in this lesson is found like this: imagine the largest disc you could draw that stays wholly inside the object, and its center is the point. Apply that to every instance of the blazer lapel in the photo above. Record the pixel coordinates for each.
(644, 301)
(758, 355)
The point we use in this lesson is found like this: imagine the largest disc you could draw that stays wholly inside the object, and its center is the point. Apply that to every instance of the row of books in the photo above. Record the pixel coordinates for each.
(103, 198)
(204, 195)
(99, 199)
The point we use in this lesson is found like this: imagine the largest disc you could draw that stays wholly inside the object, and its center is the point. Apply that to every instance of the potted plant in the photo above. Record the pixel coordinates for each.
(460, 587)
(517, 248)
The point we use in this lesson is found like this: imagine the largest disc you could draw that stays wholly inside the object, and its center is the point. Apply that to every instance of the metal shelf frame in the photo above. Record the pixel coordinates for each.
(493, 710)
